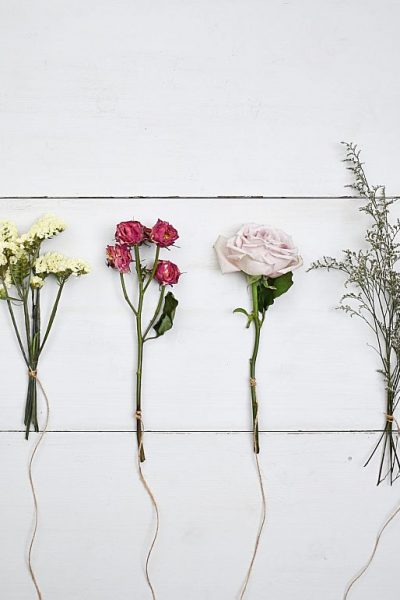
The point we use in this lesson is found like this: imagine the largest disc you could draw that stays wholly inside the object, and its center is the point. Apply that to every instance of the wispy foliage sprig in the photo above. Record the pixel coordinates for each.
(373, 295)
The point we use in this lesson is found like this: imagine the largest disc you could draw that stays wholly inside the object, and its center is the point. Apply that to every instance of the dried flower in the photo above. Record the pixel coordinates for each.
(163, 234)
(130, 233)
(373, 295)
(119, 257)
(167, 273)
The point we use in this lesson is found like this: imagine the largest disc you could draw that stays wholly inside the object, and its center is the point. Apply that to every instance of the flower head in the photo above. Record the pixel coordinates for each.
(44, 228)
(54, 263)
(119, 257)
(8, 231)
(163, 234)
(258, 250)
(37, 282)
(167, 273)
(131, 233)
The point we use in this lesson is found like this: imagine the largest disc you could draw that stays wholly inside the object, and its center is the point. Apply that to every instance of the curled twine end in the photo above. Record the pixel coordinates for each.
(138, 417)
(33, 375)
(389, 419)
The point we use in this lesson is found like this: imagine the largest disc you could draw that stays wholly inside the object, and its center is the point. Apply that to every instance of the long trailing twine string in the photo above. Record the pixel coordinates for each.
(389, 419)
(33, 375)
(138, 417)
(253, 383)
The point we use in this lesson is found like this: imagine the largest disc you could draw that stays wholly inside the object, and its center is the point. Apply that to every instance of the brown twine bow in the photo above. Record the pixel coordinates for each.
(138, 417)
(389, 419)
(33, 374)
(263, 504)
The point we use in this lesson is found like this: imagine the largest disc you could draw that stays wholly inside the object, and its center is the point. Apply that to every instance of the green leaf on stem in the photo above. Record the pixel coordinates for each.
(268, 289)
(166, 319)
(282, 284)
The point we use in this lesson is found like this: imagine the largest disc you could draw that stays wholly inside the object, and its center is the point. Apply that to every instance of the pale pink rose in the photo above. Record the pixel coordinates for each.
(258, 250)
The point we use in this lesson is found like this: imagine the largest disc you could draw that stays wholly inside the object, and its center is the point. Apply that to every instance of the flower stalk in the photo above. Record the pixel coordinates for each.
(132, 238)
(253, 360)
(25, 269)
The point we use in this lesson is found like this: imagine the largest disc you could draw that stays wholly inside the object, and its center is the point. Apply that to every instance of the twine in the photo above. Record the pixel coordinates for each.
(138, 417)
(33, 375)
(389, 419)
(263, 504)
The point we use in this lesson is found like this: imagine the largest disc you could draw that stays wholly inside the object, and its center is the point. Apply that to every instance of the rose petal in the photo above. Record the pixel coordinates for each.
(226, 265)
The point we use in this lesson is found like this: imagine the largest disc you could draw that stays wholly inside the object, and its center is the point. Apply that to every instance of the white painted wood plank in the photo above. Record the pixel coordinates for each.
(244, 97)
(95, 521)
(315, 369)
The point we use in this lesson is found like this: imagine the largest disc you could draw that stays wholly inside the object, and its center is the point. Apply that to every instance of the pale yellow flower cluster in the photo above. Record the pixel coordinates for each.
(54, 263)
(36, 282)
(8, 231)
(17, 253)
(44, 228)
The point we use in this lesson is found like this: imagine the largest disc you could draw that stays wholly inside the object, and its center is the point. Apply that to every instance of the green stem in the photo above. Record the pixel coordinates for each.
(52, 315)
(156, 313)
(139, 432)
(253, 361)
(153, 271)
(14, 322)
(121, 276)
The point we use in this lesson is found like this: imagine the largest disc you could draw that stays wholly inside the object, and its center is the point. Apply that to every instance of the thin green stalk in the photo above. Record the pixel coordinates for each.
(153, 271)
(156, 313)
(52, 315)
(139, 431)
(253, 361)
(14, 322)
(121, 277)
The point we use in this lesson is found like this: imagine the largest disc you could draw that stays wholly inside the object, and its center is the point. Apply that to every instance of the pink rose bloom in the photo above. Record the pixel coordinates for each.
(163, 234)
(119, 257)
(130, 232)
(167, 273)
(258, 250)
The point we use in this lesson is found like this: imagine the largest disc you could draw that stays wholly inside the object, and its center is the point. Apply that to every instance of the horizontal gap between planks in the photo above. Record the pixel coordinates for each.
(289, 432)
(177, 197)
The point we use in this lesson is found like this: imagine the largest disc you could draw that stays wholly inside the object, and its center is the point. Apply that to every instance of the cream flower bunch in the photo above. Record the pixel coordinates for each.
(44, 228)
(23, 271)
(54, 263)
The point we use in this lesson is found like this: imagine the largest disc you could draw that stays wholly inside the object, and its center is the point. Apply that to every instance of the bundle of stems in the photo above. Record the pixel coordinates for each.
(161, 321)
(373, 295)
(30, 339)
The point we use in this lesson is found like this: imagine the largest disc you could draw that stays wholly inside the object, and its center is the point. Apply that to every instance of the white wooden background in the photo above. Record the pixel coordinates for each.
(197, 100)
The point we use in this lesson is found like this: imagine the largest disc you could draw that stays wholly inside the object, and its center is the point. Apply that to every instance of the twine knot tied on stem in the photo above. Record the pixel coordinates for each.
(253, 382)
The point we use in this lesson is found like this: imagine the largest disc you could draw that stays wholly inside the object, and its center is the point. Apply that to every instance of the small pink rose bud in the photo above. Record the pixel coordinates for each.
(167, 273)
(130, 232)
(119, 257)
(163, 234)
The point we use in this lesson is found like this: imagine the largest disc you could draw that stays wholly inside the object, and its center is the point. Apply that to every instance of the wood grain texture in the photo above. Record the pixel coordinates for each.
(192, 98)
(95, 521)
(315, 370)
